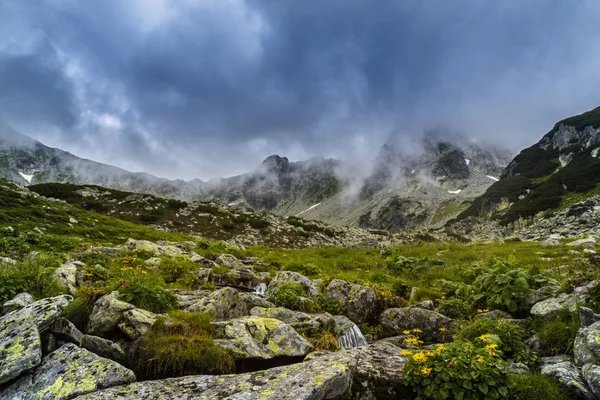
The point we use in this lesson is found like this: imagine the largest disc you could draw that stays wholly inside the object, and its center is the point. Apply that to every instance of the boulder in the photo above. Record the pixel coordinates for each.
(359, 302)
(243, 277)
(157, 250)
(41, 313)
(185, 298)
(289, 276)
(137, 322)
(67, 373)
(542, 294)
(550, 242)
(435, 327)
(588, 243)
(568, 376)
(591, 376)
(586, 348)
(66, 275)
(379, 370)
(19, 301)
(260, 338)
(562, 302)
(222, 304)
(326, 377)
(230, 261)
(253, 300)
(587, 317)
(20, 348)
(301, 322)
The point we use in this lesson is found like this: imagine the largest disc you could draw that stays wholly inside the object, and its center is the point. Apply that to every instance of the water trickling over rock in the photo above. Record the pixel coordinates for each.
(260, 289)
(353, 337)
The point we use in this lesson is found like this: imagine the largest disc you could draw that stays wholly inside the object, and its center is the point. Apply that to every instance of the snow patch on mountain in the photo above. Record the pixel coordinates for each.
(493, 178)
(28, 178)
(308, 209)
(467, 161)
(455, 191)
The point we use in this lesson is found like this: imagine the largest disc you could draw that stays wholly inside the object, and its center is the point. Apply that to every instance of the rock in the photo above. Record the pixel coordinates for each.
(202, 261)
(301, 322)
(586, 348)
(186, 298)
(591, 376)
(534, 343)
(20, 348)
(567, 376)
(545, 361)
(66, 275)
(65, 330)
(359, 302)
(260, 338)
(494, 315)
(589, 251)
(230, 261)
(243, 277)
(7, 260)
(253, 300)
(425, 305)
(550, 242)
(289, 276)
(156, 249)
(587, 317)
(18, 302)
(153, 261)
(435, 326)
(378, 373)
(562, 302)
(137, 322)
(519, 368)
(67, 373)
(106, 314)
(326, 377)
(41, 313)
(222, 304)
(589, 242)
(541, 294)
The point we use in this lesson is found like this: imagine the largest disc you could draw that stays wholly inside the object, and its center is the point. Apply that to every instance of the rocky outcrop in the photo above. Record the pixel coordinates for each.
(301, 322)
(359, 302)
(435, 327)
(260, 338)
(222, 304)
(156, 249)
(563, 302)
(66, 373)
(19, 301)
(66, 275)
(569, 377)
(288, 276)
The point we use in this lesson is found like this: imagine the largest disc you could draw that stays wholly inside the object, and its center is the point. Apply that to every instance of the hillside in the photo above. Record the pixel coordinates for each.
(561, 169)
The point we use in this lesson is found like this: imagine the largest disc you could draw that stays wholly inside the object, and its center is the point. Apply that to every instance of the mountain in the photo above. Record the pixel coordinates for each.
(24, 160)
(561, 169)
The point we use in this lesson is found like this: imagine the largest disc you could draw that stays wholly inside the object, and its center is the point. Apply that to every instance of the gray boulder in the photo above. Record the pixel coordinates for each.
(562, 302)
(20, 348)
(379, 368)
(222, 304)
(591, 375)
(587, 317)
(260, 338)
(67, 373)
(588, 243)
(435, 327)
(359, 302)
(289, 276)
(568, 376)
(66, 275)
(541, 294)
(301, 322)
(19, 301)
(586, 348)
(326, 377)
(157, 250)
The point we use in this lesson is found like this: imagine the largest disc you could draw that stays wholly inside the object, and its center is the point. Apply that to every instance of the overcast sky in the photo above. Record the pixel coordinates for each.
(209, 88)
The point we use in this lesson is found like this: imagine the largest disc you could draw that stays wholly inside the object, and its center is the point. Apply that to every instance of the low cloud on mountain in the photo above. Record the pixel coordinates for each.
(207, 88)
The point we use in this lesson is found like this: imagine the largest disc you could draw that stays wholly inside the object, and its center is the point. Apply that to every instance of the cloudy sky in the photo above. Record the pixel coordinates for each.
(208, 88)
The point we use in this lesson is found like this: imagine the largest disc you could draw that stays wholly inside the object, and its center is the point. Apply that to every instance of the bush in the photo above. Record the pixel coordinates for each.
(536, 387)
(176, 269)
(33, 276)
(289, 295)
(459, 370)
(510, 334)
(410, 266)
(149, 297)
(557, 334)
(455, 308)
(324, 339)
(181, 345)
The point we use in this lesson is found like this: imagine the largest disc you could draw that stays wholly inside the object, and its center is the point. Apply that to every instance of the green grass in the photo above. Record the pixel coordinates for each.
(33, 276)
(448, 209)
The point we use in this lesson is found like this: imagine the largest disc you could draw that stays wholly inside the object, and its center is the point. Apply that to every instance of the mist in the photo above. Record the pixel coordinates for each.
(208, 89)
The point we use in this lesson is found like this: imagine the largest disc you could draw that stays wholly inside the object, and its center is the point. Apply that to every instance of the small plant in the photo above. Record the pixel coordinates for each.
(33, 276)
(149, 297)
(536, 387)
(80, 309)
(324, 339)
(176, 270)
(456, 308)
(510, 334)
(289, 295)
(458, 370)
(181, 345)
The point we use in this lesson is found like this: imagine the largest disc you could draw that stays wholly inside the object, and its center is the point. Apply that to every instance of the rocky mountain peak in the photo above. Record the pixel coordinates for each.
(276, 164)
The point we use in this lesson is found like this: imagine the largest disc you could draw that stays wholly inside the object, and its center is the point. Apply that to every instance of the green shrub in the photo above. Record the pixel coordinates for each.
(536, 387)
(510, 334)
(332, 306)
(80, 309)
(289, 295)
(459, 370)
(557, 334)
(149, 297)
(176, 269)
(410, 266)
(455, 308)
(33, 276)
(181, 345)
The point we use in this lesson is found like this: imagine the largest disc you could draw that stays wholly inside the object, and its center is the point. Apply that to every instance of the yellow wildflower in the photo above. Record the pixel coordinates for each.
(492, 346)
(412, 341)
(420, 357)
(406, 332)
(485, 337)
(426, 371)
(442, 329)
(417, 330)
(480, 359)
(406, 353)
(440, 348)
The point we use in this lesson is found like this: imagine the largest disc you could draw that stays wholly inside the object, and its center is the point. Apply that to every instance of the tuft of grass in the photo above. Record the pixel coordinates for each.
(33, 275)
(181, 345)
(324, 340)
(557, 335)
(80, 309)
(536, 387)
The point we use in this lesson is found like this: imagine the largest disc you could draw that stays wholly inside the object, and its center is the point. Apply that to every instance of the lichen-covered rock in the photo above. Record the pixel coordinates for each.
(137, 322)
(67, 373)
(106, 314)
(588, 243)
(301, 322)
(20, 348)
(260, 338)
(66, 275)
(587, 317)
(562, 302)
(327, 377)
(230, 261)
(222, 304)
(435, 326)
(591, 376)
(243, 277)
(586, 348)
(156, 249)
(359, 302)
(568, 376)
(542, 294)
(253, 300)
(186, 298)
(19, 301)
(289, 276)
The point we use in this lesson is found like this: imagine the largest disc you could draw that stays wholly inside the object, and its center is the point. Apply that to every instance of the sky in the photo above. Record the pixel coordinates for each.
(209, 88)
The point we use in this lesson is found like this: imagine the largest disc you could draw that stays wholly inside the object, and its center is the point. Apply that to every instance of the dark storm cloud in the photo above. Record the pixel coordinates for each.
(202, 88)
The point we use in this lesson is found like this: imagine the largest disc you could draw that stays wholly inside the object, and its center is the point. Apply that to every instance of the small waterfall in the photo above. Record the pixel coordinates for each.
(260, 289)
(353, 337)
